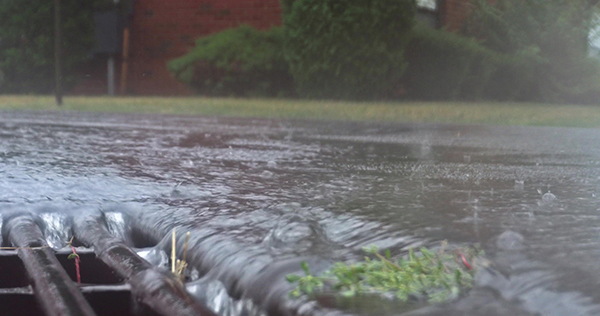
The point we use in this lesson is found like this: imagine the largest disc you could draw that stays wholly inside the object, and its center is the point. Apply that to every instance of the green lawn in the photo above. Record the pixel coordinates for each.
(446, 112)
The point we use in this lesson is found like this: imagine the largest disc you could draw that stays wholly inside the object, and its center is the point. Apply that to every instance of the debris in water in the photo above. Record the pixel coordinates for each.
(178, 266)
(464, 261)
(75, 256)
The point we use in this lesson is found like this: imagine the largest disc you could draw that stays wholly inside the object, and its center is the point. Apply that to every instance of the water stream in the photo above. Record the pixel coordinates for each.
(262, 193)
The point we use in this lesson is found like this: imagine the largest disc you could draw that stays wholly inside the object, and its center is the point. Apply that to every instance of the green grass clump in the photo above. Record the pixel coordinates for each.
(434, 276)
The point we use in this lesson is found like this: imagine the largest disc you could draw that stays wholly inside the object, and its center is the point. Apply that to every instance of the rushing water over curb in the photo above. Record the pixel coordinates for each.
(260, 196)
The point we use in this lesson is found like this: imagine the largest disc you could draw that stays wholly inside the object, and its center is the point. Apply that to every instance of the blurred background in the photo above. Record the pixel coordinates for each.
(398, 50)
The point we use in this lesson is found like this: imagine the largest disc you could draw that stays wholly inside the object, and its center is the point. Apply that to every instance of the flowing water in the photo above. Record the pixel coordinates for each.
(263, 195)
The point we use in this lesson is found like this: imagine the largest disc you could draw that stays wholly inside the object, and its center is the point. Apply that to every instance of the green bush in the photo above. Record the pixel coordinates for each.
(512, 79)
(350, 49)
(448, 66)
(27, 42)
(241, 61)
(443, 65)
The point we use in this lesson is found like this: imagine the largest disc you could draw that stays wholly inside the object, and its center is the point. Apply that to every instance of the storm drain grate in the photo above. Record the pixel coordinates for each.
(36, 280)
(104, 290)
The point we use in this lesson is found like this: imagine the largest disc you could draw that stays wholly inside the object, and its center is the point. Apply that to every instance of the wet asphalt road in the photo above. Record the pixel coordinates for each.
(528, 195)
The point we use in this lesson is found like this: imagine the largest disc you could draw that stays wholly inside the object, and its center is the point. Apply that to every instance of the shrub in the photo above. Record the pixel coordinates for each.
(449, 66)
(512, 79)
(347, 49)
(241, 61)
(443, 65)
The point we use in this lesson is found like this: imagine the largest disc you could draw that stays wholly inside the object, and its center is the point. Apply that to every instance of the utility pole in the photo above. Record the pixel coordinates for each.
(57, 53)
(111, 74)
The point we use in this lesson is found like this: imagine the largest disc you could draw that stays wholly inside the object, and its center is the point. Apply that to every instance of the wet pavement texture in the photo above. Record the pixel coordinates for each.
(273, 191)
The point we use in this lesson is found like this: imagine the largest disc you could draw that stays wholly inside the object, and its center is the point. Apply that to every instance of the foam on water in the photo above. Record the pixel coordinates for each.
(56, 229)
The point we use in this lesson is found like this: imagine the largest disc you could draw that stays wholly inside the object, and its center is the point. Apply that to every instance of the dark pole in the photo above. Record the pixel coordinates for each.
(58, 88)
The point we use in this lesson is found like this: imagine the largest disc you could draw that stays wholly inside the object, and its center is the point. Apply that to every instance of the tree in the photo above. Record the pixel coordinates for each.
(347, 48)
(27, 47)
(550, 38)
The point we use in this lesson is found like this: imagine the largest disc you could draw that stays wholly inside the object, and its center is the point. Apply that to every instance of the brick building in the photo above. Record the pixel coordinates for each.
(162, 30)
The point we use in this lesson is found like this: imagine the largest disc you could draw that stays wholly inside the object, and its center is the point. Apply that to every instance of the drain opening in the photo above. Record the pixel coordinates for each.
(91, 269)
(13, 271)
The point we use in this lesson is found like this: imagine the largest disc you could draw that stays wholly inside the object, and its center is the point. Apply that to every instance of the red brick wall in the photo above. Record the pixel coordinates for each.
(453, 13)
(165, 29)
